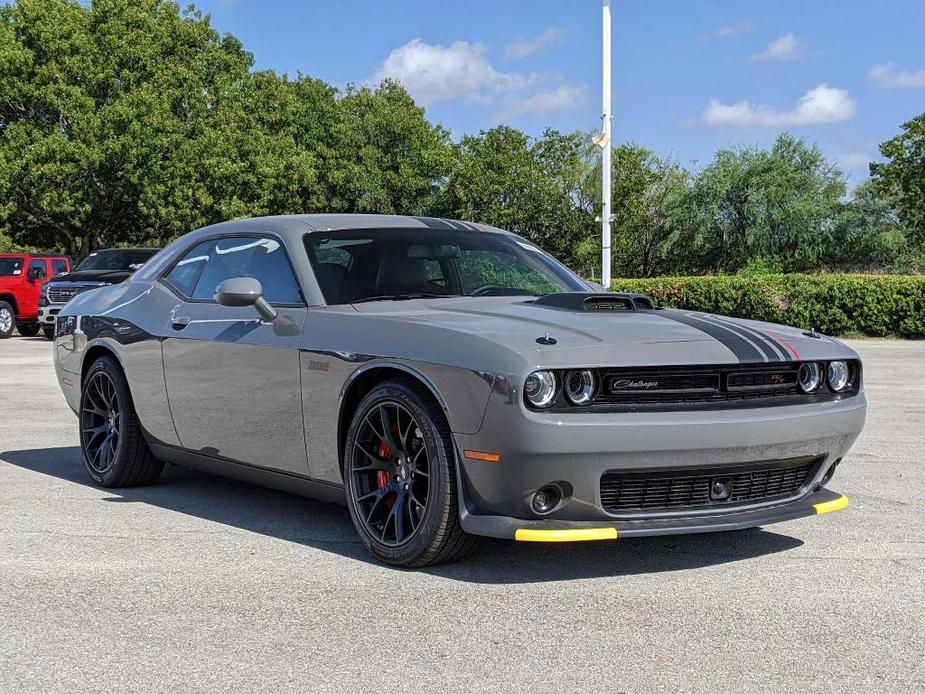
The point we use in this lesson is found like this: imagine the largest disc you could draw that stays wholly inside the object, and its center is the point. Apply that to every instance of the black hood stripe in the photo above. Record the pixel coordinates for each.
(782, 353)
(771, 350)
(744, 349)
(434, 223)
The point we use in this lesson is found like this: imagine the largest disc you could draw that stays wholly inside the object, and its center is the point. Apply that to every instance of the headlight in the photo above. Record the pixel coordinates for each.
(66, 325)
(540, 388)
(839, 375)
(579, 386)
(810, 376)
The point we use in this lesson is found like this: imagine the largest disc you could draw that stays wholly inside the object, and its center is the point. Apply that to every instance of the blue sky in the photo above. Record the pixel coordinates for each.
(689, 76)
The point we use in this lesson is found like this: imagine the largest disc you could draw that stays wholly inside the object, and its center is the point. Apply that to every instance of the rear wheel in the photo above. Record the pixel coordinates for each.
(400, 476)
(7, 320)
(49, 332)
(114, 451)
(28, 329)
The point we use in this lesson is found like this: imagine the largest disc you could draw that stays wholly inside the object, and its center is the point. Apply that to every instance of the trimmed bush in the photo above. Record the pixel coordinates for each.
(872, 305)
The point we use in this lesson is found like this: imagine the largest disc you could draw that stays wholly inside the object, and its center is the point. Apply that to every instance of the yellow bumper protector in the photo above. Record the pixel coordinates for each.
(565, 535)
(833, 505)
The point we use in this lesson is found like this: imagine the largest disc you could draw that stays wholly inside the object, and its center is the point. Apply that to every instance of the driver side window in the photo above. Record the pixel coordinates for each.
(206, 265)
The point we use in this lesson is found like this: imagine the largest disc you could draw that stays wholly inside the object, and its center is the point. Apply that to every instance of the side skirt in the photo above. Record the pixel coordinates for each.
(283, 481)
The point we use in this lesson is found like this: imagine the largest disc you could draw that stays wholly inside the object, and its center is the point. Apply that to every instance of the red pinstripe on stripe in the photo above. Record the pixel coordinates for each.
(784, 342)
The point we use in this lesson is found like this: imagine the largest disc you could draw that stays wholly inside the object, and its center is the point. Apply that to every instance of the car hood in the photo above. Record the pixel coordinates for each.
(110, 276)
(10, 280)
(579, 337)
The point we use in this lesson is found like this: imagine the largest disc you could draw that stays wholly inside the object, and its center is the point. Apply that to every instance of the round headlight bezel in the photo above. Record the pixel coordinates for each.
(838, 382)
(810, 377)
(579, 386)
(541, 388)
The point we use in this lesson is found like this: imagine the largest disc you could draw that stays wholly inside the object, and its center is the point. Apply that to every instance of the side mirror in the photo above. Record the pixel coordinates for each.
(36, 273)
(245, 291)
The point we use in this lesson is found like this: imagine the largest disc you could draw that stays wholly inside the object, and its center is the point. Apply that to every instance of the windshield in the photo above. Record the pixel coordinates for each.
(367, 265)
(10, 267)
(116, 260)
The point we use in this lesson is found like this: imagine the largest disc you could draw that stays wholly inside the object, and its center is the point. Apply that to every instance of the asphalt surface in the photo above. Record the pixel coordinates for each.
(203, 584)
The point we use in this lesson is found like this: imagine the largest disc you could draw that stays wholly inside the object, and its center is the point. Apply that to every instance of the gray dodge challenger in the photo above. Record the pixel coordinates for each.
(448, 380)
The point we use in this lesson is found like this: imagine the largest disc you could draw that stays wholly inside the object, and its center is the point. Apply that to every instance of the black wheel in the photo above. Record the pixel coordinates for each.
(400, 476)
(7, 320)
(28, 329)
(115, 453)
(49, 332)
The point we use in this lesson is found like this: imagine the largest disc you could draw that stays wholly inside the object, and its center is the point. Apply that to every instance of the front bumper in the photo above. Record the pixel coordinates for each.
(48, 314)
(574, 452)
(817, 503)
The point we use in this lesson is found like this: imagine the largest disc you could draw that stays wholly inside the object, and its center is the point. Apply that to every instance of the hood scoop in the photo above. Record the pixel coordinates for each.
(586, 301)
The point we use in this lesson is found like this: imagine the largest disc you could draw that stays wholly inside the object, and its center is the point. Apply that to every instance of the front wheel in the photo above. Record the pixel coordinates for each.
(115, 453)
(400, 477)
(7, 320)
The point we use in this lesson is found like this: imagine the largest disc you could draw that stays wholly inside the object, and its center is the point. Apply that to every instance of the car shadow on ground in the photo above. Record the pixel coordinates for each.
(327, 526)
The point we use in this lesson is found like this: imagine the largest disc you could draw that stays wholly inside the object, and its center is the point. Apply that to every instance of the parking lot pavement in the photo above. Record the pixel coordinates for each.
(203, 584)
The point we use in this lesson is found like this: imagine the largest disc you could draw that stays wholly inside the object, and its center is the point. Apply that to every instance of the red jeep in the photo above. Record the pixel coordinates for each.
(21, 278)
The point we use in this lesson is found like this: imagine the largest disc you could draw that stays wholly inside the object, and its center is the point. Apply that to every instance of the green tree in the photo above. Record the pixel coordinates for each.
(121, 121)
(903, 176)
(534, 187)
(754, 203)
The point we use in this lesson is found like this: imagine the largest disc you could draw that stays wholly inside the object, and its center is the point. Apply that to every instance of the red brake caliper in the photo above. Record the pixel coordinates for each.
(385, 452)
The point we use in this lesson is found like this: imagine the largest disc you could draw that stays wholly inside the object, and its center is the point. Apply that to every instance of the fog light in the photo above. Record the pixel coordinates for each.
(720, 488)
(546, 499)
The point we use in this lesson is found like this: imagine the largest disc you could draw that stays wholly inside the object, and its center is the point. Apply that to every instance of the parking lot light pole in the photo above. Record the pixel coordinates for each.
(606, 154)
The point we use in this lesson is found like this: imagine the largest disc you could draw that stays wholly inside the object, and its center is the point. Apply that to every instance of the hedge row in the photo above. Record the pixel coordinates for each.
(873, 305)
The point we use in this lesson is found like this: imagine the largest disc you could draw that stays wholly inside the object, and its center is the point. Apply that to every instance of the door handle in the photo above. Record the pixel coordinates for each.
(179, 322)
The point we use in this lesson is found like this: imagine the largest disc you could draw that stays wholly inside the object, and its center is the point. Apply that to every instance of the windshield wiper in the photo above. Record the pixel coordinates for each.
(400, 297)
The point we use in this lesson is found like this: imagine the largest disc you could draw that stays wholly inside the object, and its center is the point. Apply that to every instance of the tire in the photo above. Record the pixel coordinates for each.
(49, 332)
(115, 453)
(7, 320)
(379, 467)
(28, 329)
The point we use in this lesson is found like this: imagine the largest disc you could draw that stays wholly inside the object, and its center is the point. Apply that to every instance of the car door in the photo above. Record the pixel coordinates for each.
(36, 277)
(233, 381)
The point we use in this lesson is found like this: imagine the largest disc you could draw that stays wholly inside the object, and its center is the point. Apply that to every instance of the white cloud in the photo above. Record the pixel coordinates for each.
(433, 74)
(887, 75)
(818, 106)
(743, 26)
(783, 48)
(854, 161)
(522, 48)
(560, 98)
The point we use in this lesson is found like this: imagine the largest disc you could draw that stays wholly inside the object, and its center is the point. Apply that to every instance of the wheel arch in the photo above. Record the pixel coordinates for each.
(11, 300)
(92, 354)
(364, 380)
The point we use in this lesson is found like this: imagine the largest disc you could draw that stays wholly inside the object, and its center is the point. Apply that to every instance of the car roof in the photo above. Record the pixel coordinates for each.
(302, 223)
(33, 255)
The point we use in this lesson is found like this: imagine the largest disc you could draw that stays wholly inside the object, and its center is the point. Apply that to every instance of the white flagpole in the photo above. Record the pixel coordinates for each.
(607, 146)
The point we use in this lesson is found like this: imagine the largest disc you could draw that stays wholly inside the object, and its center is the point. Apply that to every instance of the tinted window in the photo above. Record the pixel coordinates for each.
(37, 269)
(118, 260)
(208, 264)
(58, 266)
(361, 265)
(10, 267)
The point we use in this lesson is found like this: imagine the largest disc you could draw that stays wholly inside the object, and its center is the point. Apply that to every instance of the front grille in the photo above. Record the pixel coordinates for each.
(696, 384)
(660, 490)
(63, 294)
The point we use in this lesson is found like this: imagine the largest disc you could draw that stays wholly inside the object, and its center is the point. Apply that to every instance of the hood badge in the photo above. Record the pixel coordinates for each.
(546, 340)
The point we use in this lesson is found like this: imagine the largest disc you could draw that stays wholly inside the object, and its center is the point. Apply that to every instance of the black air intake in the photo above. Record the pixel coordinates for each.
(586, 301)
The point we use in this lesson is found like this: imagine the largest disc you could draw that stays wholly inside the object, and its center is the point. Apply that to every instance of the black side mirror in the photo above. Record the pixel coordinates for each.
(245, 291)
(36, 273)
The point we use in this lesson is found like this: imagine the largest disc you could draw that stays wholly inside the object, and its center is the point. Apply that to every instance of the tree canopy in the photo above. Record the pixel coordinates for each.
(135, 121)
